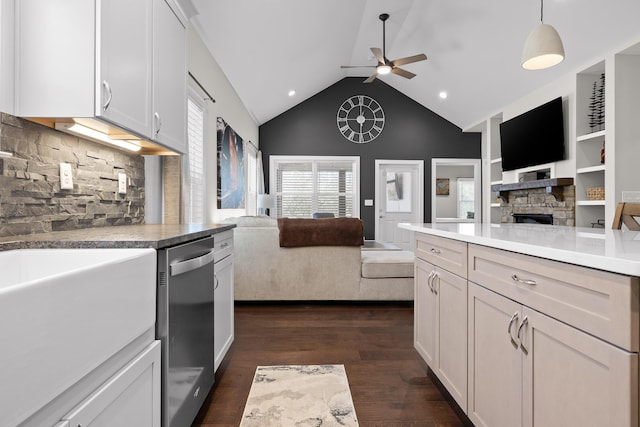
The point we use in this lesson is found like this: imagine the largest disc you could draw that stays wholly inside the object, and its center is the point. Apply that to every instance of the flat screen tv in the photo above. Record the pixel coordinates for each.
(533, 138)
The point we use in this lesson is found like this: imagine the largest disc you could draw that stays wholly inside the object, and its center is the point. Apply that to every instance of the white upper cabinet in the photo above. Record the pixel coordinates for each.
(118, 61)
(123, 63)
(169, 78)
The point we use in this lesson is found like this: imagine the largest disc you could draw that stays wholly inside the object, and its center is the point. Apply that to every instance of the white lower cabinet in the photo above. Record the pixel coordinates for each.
(441, 326)
(130, 398)
(223, 298)
(527, 369)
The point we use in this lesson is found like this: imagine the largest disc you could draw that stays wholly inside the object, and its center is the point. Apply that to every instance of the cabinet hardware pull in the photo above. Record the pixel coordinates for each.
(106, 86)
(156, 115)
(515, 278)
(430, 279)
(216, 281)
(224, 245)
(436, 251)
(513, 319)
(435, 287)
(525, 320)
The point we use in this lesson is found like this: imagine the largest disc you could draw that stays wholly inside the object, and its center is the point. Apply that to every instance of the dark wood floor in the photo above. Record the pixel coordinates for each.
(389, 382)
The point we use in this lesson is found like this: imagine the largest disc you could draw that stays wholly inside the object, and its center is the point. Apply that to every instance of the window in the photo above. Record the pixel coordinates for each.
(194, 200)
(466, 192)
(304, 185)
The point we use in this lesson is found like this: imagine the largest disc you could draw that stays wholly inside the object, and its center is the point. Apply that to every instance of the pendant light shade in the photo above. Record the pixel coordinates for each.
(543, 48)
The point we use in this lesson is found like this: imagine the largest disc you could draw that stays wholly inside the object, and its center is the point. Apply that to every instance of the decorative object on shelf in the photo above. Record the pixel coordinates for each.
(596, 106)
(360, 119)
(595, 193)
(543, 47)
(442, 186)
(602, 154)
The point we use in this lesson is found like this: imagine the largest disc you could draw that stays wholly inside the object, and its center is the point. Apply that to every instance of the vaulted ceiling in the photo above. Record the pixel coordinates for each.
(268, 47)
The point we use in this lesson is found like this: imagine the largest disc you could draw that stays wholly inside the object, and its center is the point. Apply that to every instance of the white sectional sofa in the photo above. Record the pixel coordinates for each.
(264, 271)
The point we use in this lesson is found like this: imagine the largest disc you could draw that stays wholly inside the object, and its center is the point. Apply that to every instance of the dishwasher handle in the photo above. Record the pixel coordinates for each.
(191, 264)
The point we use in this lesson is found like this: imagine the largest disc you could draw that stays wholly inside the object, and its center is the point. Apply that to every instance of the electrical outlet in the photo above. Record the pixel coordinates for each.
(66, 176)
(122, 183)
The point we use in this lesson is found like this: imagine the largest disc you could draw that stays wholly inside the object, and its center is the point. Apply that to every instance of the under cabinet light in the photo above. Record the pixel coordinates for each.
(86, 132)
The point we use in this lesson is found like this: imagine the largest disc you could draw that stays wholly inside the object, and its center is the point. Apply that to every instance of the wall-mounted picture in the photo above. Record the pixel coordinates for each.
(442, 186)
(230, 167)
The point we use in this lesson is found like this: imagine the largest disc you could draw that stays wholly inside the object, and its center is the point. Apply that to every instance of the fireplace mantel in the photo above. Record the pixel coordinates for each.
(552, 186)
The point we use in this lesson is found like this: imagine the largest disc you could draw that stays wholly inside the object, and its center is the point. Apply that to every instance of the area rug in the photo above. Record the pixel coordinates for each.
(299, 395)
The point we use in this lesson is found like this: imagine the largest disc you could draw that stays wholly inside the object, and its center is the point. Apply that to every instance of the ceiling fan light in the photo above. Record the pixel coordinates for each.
(542, 49)
(383, 69)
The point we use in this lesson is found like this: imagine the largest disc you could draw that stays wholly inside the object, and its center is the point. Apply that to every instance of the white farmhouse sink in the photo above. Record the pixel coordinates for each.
(63, 312)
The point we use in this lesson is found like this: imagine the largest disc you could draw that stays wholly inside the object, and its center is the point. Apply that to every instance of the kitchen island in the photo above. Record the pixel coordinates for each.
(528, 324)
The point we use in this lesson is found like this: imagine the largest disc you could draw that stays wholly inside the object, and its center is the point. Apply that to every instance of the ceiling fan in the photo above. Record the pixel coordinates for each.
(384, 65)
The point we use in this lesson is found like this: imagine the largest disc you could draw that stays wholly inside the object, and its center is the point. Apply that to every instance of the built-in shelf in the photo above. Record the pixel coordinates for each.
(590, 169)
(496, 182)
(590, 136)
(552, 186)
(590, 203)
(496, 205)
(498, 160)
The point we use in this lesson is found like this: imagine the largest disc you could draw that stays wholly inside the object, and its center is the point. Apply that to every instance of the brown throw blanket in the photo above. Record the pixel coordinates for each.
(296, 232)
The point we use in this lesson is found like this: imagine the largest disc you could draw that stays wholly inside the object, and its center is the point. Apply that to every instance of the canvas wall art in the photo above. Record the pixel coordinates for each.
(230, 167)
(442, 186)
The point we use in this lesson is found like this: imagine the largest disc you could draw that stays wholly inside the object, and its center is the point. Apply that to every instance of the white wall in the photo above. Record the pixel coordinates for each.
(228, 106)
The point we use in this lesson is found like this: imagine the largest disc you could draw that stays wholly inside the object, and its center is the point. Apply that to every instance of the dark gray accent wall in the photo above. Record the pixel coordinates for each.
(411, 132)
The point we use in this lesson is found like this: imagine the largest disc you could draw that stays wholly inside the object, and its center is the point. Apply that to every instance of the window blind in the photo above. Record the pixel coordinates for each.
(195, 136)
(315, 184)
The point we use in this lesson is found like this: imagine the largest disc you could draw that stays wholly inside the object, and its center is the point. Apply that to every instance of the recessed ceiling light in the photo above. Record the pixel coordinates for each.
(292, 92)
(443, 95)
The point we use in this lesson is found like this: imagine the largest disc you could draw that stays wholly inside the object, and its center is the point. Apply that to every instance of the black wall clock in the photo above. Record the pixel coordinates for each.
(360, 119)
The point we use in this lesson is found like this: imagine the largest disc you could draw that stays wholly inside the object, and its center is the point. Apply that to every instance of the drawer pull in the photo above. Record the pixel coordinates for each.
(514, 318)
(435, 251)
(224, 245)
(526, 282)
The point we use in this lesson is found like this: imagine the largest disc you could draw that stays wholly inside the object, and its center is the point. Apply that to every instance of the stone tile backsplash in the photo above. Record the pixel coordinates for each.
(31, 200)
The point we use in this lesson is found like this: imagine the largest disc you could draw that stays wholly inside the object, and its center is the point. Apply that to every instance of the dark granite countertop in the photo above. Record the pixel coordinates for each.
(156, 236)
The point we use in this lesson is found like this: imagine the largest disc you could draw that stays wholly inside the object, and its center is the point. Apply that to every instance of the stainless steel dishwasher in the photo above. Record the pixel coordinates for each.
(185, 327)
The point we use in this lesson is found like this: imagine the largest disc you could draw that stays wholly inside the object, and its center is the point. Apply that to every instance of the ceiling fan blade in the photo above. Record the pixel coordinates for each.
(377, 52)
(409, 60)
(358, 66)
(403, 73)
(372, 78)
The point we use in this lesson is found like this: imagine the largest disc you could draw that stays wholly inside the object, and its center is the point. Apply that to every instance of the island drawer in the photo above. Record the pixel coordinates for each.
(448, 254)
(600, 303)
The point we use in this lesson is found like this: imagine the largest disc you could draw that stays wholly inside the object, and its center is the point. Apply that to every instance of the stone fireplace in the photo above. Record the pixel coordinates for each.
(544, 201)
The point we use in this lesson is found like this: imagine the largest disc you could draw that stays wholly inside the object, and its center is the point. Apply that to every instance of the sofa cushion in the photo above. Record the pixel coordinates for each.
(252, 221)
(386, 264)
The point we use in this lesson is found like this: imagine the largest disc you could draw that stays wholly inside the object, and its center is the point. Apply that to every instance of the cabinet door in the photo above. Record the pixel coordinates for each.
(573, 379)
(223, 311)
(425, 332)
(130, 398)
(169, 78)
(451, 359)
(123, 83)
(495, 360)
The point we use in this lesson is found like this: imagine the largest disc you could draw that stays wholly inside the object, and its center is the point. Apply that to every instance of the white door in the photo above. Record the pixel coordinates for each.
(400, 195)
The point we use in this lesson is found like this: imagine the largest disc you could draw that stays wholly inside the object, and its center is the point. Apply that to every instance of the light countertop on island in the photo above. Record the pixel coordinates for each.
(156, 236)
(604, 249)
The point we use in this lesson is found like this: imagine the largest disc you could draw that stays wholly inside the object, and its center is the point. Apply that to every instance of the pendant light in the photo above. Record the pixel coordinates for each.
(543, 48)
